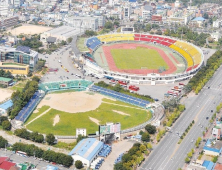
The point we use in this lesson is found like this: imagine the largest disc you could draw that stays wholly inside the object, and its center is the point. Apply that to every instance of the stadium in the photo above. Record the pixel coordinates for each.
(84, 105)
(142, 58)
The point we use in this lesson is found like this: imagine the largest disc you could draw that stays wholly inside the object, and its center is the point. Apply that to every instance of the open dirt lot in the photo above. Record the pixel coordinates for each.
(73, 102)
(29, 29)
(5, 94)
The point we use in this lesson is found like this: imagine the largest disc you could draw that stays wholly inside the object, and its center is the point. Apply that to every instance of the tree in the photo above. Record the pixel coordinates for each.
(3, 142)
(78, 164)
(2, 119)
(145, 137)
(108, 25)
(119, 166)
(90, 33)
(70, 39)
(187, 160)
(149, 146)
(116, 23)
(150, 129)
(6, 125)
(50, 139)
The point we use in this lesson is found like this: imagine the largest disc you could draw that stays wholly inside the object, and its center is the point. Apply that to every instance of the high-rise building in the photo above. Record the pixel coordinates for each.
(126, 12)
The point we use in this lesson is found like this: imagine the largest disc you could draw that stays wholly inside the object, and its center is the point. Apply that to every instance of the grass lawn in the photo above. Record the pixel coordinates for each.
(137, 58)
(104, 113)
(40, 111)
(63, 91)
(19, 86)
(80, 44)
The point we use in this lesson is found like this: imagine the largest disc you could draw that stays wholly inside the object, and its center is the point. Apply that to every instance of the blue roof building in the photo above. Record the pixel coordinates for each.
(50, 167)
(212, 151)
(198, 19)
(208, 164)
(5, 106)
(86, 150)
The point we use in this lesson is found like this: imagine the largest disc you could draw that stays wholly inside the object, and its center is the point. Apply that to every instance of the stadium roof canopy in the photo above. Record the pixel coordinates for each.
(87, 148)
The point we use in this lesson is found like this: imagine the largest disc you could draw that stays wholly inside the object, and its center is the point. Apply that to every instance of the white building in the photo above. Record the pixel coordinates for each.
(83, 23)
(58, 34)
(217, 23)
(4, 8)
(147, 12)
(80, 131)
(216, 36)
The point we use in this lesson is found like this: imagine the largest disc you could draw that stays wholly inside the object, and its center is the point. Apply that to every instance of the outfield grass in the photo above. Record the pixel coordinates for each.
(69, 122)
(137, 58)
(80, 44)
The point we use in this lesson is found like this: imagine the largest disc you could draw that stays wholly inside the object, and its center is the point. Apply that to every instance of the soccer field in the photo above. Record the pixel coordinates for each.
(138, 58)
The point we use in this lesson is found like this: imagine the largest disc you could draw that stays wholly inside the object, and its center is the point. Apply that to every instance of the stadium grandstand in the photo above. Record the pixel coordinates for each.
(120, 96)
(63, 85)
(93, 43)
(116, 37)
(29, 107)
(192, 55)
(89, 150)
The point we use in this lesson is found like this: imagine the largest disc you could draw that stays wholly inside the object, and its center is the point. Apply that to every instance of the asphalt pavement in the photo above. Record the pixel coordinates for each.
(168, 155)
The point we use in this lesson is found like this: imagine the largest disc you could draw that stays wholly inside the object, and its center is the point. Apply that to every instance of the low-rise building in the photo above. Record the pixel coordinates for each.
(216, 36)
(5, 106)
(86, 151)
(83, 23)
(80, 131)
(59, 34)
(8, 22)
(15, 68)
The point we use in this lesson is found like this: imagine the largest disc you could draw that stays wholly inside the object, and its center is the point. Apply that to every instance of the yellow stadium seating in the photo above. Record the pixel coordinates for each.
(116, 37)
(184, 54)
(194, 53)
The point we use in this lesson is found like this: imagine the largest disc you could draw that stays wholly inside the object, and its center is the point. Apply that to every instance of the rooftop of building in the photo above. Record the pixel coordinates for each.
(10, 49)
(65, 31)
(208, 164)
(5, 79)
(6, 105)
(87, 148)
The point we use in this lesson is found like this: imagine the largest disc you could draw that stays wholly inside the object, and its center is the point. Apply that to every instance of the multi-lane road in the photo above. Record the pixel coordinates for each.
(168, 155)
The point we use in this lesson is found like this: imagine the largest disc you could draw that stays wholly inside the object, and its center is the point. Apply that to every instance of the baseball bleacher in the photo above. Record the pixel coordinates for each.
(120, 96)
(93, 43)
(67, 84)
(29, 107)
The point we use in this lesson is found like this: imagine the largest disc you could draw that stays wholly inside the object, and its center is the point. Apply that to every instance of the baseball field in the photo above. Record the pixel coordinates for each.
(62, 113)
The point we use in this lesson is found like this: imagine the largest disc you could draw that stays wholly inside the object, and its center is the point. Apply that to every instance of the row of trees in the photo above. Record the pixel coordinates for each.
(35, 136)
(118, 88)
(3, 142)
(174, 115)
(150, 129)
(21, 98)
(198, 81)
(6, 74)
(188, 35)
(32, 150)
(134, 157)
